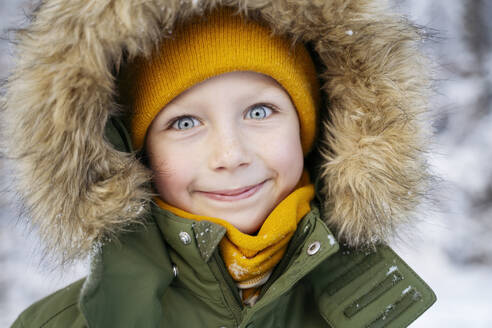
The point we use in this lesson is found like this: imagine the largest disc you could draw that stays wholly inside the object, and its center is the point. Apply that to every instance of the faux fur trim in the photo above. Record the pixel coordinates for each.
(78, 189)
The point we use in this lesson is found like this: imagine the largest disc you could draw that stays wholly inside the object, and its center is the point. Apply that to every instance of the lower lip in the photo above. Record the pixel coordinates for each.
(229, 198)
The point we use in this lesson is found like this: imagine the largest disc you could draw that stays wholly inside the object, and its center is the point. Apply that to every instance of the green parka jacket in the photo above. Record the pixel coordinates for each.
(170, 274)
(87, 192)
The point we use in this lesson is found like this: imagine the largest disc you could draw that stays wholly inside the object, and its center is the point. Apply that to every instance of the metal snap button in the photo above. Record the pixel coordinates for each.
(185, 237)
(313, 248)
(175, 270)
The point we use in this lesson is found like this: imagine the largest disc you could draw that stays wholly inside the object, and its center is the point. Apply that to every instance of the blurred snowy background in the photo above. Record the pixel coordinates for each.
(452, 250)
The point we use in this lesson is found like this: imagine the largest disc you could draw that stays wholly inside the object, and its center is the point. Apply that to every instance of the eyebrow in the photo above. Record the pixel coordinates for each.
(268, 90)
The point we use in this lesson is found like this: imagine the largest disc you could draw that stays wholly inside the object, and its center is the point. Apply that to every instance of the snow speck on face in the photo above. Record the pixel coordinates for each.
(349, 32)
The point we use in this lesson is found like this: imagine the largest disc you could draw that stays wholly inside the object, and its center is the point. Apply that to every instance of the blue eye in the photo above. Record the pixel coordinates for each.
(259, 112)
(185, 123)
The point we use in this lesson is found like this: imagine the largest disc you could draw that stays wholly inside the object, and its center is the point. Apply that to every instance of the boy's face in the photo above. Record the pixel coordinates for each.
(228, 147)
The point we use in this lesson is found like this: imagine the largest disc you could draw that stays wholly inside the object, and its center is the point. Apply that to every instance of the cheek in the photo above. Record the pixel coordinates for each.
(173, 173)
(283, 153)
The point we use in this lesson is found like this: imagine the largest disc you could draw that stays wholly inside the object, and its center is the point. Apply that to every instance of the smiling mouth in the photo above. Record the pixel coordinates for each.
(233, 194)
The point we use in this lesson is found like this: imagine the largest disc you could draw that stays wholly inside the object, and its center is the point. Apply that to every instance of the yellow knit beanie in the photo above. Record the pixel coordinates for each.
(218, 43)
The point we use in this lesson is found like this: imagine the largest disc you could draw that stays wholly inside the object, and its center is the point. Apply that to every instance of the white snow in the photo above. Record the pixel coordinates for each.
(237, 269)
(406, 290)
(331, 240)
(392, 269)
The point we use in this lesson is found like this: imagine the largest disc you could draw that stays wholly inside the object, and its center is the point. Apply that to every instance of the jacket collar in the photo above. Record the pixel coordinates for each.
(190, 238)
(128, 277)
(312, 244)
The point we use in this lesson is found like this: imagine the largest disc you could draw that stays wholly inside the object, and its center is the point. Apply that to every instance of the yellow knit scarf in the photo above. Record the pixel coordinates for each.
(251, 259)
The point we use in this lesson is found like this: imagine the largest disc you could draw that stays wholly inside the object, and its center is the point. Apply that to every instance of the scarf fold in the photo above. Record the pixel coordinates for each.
(249, 259)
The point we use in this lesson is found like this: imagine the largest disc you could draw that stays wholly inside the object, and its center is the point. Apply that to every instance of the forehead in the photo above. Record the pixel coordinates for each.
(237, 82)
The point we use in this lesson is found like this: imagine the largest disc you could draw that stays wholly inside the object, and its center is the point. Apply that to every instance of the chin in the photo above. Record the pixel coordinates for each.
(250, 230)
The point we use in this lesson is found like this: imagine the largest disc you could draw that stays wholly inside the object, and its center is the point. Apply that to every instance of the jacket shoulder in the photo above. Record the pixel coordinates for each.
(369, 289)
(59, 309)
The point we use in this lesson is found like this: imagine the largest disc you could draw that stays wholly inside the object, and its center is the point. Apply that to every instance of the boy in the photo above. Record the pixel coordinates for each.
(223, 115)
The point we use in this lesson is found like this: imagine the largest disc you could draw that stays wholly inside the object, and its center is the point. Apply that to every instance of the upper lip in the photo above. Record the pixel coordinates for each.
(233, 192)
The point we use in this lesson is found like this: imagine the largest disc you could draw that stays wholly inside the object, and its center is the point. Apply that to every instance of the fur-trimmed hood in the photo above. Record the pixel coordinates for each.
(78, 189)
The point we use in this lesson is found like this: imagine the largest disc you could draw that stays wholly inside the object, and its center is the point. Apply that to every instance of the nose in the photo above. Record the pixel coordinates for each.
(229, 150)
